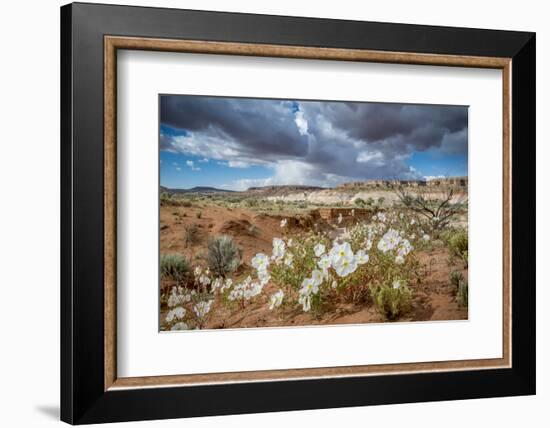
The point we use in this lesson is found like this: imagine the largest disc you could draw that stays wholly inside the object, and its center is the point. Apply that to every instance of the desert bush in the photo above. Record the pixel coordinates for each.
(252, 203)
(190, 234)
(381, 200)
(174, 267)
(223, 255)
(370, 201)
(456, 277)
(392, 301)
(360, 202)
(437, 212)
(458, 245)
(462, 293)
(185, 203)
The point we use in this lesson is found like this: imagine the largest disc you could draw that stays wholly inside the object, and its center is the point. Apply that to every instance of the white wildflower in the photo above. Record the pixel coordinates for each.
(317, 277)
(276, 299)
(396, 285)
(176, 313)
(180, 326)
(339, 252)
(278, 248)
(340, 218)
(319, 250)
(361, 257)
(345, 266)
(309, 287)
(284, 222)
(201, 309)
(426, 238)
(260, 262)
(204, 280)
(324, 262)
(399, 260)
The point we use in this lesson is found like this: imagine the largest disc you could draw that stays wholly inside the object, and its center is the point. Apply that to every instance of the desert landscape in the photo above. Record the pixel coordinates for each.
(284, 255)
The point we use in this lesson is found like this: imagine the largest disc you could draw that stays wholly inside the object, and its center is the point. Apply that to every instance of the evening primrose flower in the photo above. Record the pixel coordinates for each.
(389, 241)
(260, 262)
(217, 283)
(381, 216)
(319, 249)
(201, 309)
(399, 260)
(276, 299)
(204, 280)
(339, 252)
(324, 262)
(176, 313)
(284, 222)
(309, 287)
(227, 284)
(317, 277)
(396, 285)
(361, 257)
(345, 266)
(180, 326)
(426, 238)
(305, 301)
(278, 248)
(264, 277)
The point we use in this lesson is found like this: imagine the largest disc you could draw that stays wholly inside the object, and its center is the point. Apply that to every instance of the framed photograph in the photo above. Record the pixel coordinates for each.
(267, 213)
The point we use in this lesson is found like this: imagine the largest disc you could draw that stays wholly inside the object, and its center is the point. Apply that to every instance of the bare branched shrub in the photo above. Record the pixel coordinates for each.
(439, 211)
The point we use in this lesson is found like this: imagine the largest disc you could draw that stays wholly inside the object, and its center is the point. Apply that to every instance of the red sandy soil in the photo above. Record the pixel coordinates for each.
(433, 298)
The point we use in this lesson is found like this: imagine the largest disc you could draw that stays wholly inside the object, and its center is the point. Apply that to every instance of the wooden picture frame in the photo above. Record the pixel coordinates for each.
(91, 390)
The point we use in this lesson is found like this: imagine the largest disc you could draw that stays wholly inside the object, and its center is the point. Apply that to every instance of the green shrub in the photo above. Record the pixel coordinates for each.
(223, 255)
(251, 203)
(174, 267)
(458, 245)
(186, 203)
(455, 277)
(462, 293)
(190, 234)
(392, 301)
(360, 202)
(381, 200)
(370, 201)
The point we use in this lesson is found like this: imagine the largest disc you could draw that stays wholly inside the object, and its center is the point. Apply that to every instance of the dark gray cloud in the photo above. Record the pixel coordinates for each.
(313, 141)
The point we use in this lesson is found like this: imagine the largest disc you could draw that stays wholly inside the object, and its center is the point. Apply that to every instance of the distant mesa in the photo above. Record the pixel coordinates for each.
(284, 190)
(198, 189)
(369, 184)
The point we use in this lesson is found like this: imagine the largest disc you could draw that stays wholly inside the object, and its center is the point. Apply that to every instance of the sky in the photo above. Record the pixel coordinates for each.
(237, 143)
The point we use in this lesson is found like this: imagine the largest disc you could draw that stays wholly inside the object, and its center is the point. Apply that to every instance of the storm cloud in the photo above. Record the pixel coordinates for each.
(312, 142)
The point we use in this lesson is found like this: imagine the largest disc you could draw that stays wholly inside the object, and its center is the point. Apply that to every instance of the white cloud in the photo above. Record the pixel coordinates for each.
(301, 122)
(191, 165)
(204, 160)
